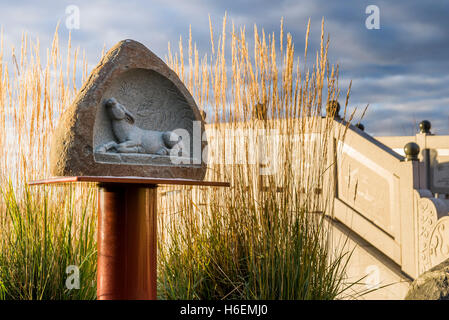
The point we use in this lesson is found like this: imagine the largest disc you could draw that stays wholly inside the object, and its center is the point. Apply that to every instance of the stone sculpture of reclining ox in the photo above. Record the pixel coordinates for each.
(132, 139)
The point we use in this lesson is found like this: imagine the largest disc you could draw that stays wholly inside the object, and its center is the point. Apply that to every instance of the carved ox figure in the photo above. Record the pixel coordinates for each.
(133, 139)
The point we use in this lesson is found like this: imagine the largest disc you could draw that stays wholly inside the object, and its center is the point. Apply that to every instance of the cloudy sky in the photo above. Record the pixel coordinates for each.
(401, 69)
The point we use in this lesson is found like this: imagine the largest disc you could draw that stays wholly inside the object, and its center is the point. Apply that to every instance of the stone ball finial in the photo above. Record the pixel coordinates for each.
(333, 108)
(411, 150)
(424, 126)
(360, 126)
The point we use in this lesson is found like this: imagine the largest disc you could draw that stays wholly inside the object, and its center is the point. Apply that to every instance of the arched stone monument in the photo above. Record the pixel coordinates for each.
(157, 109)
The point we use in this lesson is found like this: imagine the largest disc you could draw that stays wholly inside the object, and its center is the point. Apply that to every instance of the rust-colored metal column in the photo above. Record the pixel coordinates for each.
(127, 241)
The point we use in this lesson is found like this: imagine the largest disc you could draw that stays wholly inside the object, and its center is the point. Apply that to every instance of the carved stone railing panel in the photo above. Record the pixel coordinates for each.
(368, 180)
(433, 230)
(439, 242)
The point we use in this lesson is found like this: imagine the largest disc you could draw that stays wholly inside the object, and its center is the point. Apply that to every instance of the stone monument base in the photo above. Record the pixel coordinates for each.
(140, 159)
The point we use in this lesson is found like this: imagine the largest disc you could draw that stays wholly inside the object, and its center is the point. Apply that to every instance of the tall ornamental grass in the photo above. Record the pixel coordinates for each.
(266, 237)
(44, 231)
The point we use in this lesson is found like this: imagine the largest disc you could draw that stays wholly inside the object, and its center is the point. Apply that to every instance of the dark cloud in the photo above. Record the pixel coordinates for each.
(400, 70)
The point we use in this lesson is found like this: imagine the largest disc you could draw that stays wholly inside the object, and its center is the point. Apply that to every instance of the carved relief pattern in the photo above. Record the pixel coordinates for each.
(439, 242)
(433, 232)
(427, 218)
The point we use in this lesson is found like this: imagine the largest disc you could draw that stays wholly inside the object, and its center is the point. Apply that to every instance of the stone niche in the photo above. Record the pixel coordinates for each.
(155, 103)
(130, 119)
